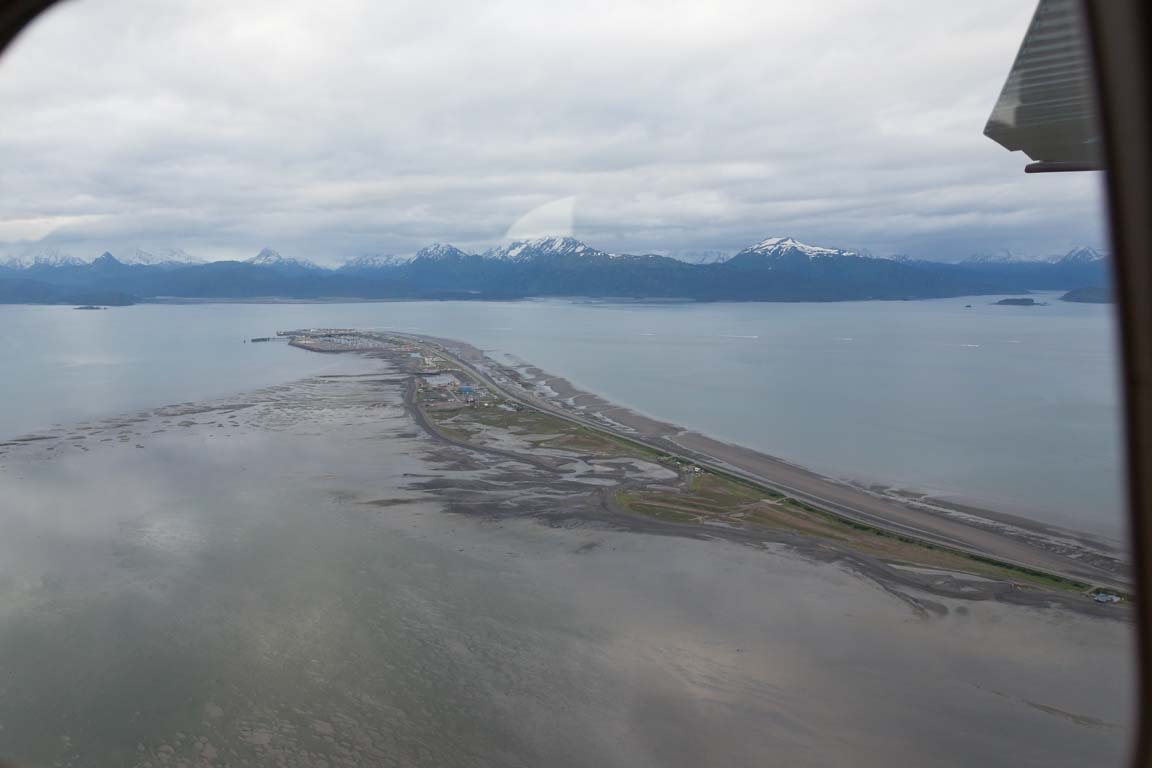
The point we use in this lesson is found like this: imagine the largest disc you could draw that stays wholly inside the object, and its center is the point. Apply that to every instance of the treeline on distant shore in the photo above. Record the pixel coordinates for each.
(25, 291)
(1097, 294)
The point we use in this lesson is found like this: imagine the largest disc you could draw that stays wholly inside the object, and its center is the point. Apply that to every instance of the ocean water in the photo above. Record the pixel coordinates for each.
(1011, 408)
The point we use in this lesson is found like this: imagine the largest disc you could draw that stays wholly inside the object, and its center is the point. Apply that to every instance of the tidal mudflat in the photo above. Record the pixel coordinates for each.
(304, 575)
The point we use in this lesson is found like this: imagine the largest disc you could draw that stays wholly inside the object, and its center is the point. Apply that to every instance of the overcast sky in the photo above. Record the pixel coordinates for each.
(338, 128)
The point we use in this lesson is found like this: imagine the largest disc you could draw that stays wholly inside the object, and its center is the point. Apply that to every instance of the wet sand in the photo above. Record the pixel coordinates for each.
(304, 576)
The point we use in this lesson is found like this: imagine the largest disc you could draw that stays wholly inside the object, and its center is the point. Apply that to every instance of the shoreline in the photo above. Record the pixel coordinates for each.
(1016, 541)
(569, 396)
(309, 572)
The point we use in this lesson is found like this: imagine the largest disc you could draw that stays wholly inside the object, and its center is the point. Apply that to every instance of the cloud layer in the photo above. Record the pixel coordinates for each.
(334, 129)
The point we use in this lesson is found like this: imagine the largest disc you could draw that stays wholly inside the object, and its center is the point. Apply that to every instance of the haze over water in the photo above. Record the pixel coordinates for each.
(1012, 408)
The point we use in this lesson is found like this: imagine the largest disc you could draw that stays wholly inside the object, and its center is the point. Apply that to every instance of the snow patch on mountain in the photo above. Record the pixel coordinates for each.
(439, 252)
(271, 258)
(1078, 255)
(162, 257)
(373, 261)
(42, 257)
(781, 246)
(1081, 255)
(525, 250)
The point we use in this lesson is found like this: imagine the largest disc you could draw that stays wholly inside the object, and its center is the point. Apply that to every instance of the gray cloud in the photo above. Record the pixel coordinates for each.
(334, 129)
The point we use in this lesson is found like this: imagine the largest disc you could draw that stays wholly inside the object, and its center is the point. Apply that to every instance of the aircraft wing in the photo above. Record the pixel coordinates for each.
(1047, 109)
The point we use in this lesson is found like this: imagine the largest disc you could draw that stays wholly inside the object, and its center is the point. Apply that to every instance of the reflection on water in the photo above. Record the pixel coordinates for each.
(209, 586)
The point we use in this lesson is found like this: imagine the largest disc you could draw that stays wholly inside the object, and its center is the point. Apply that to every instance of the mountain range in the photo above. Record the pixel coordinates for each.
(775, 269)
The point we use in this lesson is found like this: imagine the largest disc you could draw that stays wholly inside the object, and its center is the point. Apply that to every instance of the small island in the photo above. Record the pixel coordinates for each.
(90, 306)
(1096, 294)
(1020, 302)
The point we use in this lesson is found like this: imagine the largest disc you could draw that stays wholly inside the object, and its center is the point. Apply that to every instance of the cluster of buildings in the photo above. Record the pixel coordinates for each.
(330, 339)
(427, 362)
(446, 389)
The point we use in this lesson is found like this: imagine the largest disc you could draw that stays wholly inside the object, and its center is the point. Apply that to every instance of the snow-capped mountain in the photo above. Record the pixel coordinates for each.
(779, 248)
(439, 252)
(526, 250)
(41, 257)
(1081, 255)
(775, 269)
(162, 257)
(271, 258)
(372, 261)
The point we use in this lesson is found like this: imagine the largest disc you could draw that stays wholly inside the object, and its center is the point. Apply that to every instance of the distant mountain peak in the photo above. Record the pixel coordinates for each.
(163, 257)
(439, 252)
(789, 246)
(42, 257)
(142, 257)
(774, 269)
(524, 250)
(565, 243)
(1081, 255)
(373, 261)
(773, 242)
(270, 258)
(266, 257)
(178, 255)
(106, 259)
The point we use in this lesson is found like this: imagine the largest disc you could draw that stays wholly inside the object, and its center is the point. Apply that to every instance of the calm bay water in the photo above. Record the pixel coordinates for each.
(1014, 408)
